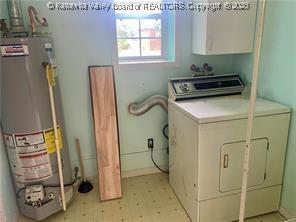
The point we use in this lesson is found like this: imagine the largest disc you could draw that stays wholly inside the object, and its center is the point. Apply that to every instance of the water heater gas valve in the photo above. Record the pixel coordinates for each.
(35, 194)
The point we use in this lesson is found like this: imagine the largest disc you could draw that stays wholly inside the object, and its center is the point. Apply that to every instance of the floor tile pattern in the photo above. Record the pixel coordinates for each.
(145, 199)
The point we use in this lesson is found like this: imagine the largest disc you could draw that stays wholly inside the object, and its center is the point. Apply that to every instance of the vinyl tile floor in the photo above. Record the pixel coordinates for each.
(146, 198)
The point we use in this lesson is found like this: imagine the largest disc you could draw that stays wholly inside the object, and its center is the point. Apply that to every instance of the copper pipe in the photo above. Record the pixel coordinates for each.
(33, 15)
(32, 21)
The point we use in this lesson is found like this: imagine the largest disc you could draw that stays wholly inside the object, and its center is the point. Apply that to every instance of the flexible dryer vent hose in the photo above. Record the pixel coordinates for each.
(138, 109)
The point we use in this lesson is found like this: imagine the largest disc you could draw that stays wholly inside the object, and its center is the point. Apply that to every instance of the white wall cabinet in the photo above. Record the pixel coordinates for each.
(224, 31)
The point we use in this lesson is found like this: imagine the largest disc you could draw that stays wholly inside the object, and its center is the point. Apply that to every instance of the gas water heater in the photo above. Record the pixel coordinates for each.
(28, 127)
(33, 135)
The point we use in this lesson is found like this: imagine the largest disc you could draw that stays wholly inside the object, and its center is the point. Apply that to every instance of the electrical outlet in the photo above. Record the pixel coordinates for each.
(150, 143)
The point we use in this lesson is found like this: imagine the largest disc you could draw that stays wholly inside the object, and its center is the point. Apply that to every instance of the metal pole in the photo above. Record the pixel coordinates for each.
(255, 73)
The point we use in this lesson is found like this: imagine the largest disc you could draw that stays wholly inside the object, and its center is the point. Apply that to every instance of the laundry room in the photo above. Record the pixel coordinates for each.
(155, 110)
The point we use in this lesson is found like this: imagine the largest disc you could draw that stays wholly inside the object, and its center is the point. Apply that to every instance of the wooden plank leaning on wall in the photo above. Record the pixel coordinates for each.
(106, 131)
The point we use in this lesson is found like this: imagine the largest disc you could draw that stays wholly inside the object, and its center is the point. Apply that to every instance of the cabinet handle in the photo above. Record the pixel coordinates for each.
(226, 160)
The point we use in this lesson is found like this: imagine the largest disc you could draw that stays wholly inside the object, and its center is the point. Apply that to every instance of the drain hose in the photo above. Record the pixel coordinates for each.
(138, 109)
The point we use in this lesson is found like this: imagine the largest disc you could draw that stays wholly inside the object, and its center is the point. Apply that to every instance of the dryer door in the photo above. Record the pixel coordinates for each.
(231, 167)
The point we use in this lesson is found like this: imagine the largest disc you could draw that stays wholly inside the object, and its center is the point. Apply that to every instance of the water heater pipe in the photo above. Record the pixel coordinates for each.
(15, 14)
(33, 15)
(51, 82)
(251, 115)
(138, 109)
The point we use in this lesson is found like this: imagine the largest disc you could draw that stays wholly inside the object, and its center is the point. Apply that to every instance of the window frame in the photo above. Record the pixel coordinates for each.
(145, 59)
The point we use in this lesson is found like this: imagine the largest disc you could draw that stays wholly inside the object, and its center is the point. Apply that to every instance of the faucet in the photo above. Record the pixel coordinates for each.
(205, 70)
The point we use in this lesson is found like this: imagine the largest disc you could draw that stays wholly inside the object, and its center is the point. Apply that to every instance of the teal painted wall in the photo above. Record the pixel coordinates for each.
(85, 38)
(8, 205)
(278, 78)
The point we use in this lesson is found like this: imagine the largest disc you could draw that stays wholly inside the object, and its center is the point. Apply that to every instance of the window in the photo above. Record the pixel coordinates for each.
(139, 37)
(142, 34)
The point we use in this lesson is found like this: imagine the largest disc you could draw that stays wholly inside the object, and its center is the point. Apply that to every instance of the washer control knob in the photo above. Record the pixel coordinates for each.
(184, 87)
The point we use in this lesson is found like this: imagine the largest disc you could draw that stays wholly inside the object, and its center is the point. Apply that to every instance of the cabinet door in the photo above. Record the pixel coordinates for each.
(225, 31)
(231, 167)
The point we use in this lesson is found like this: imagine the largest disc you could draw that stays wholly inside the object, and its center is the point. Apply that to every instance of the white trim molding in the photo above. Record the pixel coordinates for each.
(131, 173)
(140, 172)
(285, 213)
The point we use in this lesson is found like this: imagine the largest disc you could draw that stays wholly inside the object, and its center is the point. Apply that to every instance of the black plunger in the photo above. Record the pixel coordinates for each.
(85, 185)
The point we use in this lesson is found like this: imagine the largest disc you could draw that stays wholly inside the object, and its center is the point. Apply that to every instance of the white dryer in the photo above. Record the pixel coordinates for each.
(207, 138)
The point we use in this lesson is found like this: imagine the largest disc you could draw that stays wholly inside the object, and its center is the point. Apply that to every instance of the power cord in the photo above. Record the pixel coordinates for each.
(156, 164)
(164, 133)
(167, 137)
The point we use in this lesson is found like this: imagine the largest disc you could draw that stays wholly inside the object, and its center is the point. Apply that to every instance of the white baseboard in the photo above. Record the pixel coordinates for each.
(287, 214)
(140, 172)
(131, 173)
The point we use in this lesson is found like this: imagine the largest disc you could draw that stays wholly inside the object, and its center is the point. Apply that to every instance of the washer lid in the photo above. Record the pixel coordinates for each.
(216, 109)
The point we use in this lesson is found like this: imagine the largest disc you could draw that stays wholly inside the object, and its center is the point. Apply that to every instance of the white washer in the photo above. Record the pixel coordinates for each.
(206, 156)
